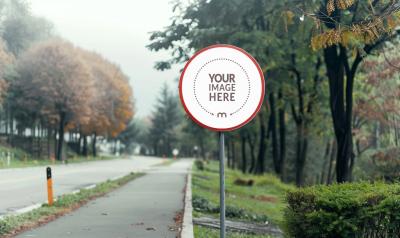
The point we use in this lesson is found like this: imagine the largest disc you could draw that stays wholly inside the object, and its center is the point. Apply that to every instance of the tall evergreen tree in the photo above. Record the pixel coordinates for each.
(165, 121)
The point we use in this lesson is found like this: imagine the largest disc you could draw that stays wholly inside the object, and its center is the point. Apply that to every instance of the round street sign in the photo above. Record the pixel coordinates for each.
(222, 87)
(175, 152)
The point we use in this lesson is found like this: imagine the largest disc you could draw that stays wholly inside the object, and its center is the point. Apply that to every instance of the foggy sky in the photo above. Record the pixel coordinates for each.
(117, 29)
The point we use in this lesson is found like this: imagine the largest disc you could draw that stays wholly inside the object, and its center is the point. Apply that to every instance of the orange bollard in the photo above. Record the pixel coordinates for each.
(49, 186)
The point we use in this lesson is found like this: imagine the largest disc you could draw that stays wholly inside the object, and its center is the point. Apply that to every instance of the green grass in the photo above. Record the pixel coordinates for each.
(211, 233)
(21, 159)
(264, 201)
(63, 204)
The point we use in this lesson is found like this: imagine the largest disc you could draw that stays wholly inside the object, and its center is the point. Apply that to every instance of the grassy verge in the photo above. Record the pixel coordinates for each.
(23, 160)
(262, 202)
(12, 225)
(212, 233)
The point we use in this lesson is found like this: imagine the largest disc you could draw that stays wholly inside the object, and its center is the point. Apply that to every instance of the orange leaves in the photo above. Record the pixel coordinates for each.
(113, 102)
(6, 59)
(380, 90)
(331, 5)
(56, 77)
(367, 33)
(52, 80)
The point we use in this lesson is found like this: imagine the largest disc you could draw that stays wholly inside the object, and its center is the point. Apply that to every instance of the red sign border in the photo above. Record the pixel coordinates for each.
(259, 71)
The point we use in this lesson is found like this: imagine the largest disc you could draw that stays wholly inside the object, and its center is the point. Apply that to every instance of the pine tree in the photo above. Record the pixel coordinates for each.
(165, 120)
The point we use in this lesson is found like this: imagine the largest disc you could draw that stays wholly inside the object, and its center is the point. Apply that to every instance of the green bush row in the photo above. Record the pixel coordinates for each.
(351, 210)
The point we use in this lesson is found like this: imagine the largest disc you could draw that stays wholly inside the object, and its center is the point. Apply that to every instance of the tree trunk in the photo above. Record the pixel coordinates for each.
(41, 135)
(252, 154)
(301, 153)
(244, 159)
(341, 104)
(234, 162)
(61, 136)
(80, 141)
(325, 162)
(115, 147)
(228, 152)
(85, 146)
(49, 132)
(332, 159)
(55, 144)
(274, 137)
(6, 118)
(282, 138)
(260, 169)
(11, 134)
(94, 150)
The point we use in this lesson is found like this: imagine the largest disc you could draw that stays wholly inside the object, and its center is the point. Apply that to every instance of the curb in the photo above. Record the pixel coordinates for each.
(187, 224)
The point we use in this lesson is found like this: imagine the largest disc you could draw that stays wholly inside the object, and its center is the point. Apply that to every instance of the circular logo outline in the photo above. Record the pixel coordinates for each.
(232, 61)
(262, 87)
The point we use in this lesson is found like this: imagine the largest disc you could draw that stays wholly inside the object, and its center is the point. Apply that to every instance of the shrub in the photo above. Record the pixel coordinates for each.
(351, 210)
(199, 164)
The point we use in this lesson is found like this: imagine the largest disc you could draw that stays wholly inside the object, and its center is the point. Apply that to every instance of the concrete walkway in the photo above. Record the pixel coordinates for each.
(24, 187)
(143, 208)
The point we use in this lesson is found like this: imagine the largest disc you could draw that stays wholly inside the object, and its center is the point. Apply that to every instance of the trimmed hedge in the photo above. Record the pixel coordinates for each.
(351, 210)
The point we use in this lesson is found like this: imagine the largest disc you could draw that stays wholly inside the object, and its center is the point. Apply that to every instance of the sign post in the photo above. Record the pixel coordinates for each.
(222, 183)
(222, 89)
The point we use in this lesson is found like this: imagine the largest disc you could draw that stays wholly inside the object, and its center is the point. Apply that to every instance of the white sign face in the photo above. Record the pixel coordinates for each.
(222, 87)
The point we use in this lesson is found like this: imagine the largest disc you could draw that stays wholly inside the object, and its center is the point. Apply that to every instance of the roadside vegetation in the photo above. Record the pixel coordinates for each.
(210, 233)
(57, 98)
(17, 158)
(14, 224)
(329, 123)
(250, 198)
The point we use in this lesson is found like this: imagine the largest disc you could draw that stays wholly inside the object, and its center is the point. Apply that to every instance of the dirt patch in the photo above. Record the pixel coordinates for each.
(265, 198)
(244, 182)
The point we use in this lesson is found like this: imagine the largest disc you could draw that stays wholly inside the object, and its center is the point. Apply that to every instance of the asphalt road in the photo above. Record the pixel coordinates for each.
(143, 208)
(23, 187)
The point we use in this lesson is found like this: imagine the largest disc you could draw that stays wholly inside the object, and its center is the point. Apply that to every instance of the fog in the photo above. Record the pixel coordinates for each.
(119, 30)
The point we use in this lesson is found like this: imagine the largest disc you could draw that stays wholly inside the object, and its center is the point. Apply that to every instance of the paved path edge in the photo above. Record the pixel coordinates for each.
(38, 205)
(187, 224)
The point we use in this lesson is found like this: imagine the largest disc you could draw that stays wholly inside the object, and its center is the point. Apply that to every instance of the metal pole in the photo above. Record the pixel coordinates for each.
(222, 184)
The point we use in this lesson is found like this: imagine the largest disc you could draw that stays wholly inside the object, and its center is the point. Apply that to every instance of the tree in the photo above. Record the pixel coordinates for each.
(350, 31)
(55, 84)
(200, 136)
(241, 23)
(280, 43)
(7, 60)
(130, 135)
(112, 102)
(165, 119)
(21, 28)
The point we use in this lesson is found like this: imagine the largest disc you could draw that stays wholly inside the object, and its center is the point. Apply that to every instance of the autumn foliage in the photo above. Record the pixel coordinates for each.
(66, 88)
(111, 108)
